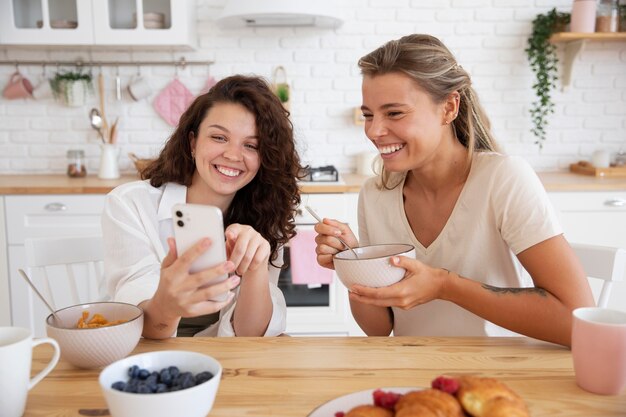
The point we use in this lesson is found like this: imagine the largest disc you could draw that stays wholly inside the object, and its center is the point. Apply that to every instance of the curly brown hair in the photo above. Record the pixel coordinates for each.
(269, 201)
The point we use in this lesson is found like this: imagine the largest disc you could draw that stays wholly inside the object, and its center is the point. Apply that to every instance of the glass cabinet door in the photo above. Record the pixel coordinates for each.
(46, 22)
(144, 22)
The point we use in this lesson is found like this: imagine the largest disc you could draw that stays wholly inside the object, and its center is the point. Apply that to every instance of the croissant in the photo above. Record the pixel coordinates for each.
(488, 397)
(369, 411)
(426, 403)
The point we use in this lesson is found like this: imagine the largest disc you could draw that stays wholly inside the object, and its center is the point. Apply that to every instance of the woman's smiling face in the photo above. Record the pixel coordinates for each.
(401, 120)
(225, 152)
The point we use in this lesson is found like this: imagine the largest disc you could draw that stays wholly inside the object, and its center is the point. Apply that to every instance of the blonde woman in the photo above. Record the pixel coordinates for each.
(475, 216)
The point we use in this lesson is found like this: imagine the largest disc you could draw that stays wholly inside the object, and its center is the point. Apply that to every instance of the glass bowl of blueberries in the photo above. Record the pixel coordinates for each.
(161, 384)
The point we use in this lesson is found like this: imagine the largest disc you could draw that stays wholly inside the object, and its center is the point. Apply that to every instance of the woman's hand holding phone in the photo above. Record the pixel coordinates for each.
(182, 293)
(246, 248)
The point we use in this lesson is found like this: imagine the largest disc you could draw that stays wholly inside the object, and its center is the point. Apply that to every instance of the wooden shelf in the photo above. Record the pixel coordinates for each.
(596, 36)
(575, 43)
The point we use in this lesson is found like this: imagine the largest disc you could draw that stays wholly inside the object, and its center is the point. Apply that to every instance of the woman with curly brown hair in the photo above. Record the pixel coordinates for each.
(233, 149)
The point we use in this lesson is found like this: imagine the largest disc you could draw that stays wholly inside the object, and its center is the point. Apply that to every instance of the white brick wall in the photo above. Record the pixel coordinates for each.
(488, 37)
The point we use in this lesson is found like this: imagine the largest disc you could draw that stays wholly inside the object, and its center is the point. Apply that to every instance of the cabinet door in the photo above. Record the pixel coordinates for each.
(596, 218)
(46, 22)
(144, 22)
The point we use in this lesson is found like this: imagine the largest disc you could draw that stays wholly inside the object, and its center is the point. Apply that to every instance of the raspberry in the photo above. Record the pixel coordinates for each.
(340, 414)
(449, 385)
(385, 399)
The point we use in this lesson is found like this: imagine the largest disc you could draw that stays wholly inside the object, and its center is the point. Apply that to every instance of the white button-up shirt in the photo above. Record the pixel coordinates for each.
(136, 223)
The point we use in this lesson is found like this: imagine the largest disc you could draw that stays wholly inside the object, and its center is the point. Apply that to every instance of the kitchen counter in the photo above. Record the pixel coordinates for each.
(62, 184)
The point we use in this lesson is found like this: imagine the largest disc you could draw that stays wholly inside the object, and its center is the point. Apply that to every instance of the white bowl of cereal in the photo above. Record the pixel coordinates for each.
(94, 335)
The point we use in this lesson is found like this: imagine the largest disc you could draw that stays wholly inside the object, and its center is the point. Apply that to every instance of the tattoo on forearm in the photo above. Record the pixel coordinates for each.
(531, 290)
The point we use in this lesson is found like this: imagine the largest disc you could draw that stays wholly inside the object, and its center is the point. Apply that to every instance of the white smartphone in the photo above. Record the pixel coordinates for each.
(193, 222)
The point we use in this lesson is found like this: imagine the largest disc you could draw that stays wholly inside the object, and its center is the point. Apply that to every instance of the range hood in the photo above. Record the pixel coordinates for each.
(272, 13)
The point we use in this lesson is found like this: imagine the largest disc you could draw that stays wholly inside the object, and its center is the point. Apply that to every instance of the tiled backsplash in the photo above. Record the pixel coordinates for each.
(488, 37)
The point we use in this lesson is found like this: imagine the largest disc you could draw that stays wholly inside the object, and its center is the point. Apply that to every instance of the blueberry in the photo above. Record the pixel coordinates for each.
(187, 380)
(174, 371)
(143, 374)
(161, 388)
(151, 382)
(203, 377)
(130, 388)
(133, 371)
(119, 385)
(143, 388)
(165, 377)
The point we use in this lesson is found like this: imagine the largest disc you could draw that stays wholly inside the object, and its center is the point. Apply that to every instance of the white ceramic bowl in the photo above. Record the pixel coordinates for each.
(94, 348)
(191, 402)
(372, 268)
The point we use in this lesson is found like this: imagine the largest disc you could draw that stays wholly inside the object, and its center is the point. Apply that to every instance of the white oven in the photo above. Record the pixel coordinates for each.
(319, 309)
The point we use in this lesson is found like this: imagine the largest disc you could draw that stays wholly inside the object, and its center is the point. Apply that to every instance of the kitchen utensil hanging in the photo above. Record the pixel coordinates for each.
(281, 86)
(118, 85)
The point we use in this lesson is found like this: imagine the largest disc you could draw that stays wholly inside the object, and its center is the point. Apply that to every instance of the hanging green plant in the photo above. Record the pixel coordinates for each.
(543, 62)
(71, 88)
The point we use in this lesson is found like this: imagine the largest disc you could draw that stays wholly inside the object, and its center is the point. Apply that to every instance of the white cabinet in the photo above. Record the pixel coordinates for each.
(597, 218)
(41, 216)
(98, 22)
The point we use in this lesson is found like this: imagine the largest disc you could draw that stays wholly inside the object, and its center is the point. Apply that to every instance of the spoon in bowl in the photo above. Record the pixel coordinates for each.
(343, 242)
(57, 319)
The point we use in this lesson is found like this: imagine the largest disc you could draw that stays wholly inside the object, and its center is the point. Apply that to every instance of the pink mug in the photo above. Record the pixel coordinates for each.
(599, 349)
(18, 87)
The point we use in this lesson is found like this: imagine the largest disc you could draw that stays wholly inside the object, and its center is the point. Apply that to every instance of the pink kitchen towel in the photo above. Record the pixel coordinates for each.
(304, 266)
(172, 101)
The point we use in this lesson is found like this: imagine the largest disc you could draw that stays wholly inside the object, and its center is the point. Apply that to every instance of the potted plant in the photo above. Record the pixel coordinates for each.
(543, 62)
(71, 88)
(281, 88)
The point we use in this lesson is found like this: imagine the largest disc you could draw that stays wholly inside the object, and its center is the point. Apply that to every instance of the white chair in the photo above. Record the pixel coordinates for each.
(604, 263)
(51, 259)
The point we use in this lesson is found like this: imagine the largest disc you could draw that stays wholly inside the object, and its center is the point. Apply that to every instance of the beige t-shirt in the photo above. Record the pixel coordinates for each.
(502, 210)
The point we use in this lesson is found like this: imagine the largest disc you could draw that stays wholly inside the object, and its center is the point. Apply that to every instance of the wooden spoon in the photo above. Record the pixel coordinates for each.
(105, 124)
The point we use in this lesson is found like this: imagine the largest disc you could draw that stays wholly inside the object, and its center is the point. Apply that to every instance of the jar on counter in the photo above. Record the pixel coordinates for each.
(76, 163)
(607, 16)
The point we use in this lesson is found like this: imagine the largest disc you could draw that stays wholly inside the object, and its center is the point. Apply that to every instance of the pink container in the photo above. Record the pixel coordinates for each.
(583, 16)
(599, 349)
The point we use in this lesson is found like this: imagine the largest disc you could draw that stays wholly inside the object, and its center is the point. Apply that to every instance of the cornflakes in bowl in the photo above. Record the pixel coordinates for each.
(96, 345)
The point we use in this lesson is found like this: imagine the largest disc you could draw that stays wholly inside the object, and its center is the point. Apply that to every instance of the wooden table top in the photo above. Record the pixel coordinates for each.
(289, 376)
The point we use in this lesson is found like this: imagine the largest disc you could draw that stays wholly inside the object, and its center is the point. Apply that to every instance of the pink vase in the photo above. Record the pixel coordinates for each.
(583, 16)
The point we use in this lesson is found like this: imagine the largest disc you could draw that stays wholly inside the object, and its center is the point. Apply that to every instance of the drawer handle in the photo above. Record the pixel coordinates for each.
(55, 207)
(615, 202)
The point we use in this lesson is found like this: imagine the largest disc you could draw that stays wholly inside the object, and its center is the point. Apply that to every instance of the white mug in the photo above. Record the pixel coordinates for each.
(16, 351)
(43, 90)
(138, 88)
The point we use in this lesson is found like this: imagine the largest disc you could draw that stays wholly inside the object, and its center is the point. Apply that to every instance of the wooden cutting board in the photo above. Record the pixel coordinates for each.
(585, 168)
